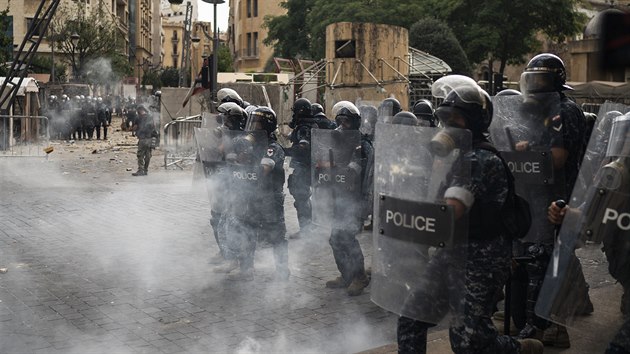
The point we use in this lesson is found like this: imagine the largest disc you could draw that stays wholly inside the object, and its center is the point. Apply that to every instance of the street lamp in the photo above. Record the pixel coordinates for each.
(215, 47)
(74, 39)
(175, 5)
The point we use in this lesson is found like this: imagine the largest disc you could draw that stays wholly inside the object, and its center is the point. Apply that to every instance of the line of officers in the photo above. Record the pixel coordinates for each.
(79, 117)
(243, 164)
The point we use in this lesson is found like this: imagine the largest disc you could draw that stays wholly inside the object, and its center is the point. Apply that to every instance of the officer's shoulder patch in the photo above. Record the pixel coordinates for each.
(270, 152)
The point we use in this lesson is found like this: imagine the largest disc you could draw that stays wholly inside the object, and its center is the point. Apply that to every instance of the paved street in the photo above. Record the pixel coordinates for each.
(98, 261)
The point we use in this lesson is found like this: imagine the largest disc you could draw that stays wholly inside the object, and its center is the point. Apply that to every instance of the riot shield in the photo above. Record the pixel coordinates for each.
(420, 249)
(524, 129)
(210, 120)
(243, 151)
(599, 213)
(335, 177)
(212, 159)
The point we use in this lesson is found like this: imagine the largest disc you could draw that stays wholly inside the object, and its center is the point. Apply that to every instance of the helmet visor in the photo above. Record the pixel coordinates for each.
(537, 82)
(254, 122)
(450, 117)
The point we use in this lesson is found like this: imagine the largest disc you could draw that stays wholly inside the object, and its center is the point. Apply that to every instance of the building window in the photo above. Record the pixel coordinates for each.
(249, 44)
(174, 35)
(255, 8)
(249, 8)
(255, 44)
(38, 29)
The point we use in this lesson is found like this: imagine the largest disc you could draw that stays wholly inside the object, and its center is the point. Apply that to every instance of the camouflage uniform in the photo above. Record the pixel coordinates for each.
(487, 264)
(145, 133)
(299, 182)
(271, 207)
(348, 221)
(566, 132)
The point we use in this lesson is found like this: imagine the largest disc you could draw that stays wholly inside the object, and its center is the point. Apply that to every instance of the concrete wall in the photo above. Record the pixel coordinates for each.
(280, 97)
(351, 78)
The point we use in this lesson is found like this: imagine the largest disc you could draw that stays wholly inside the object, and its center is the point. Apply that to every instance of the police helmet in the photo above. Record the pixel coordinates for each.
(389, 107)
(544, 73)
(234, 117)
(463, 98)
(508, 92)
(225, 95)
(316, 109)
(347, 115)
(141, 108)
(262, 118)
(302, 108)
(423, 110)
(405, 118)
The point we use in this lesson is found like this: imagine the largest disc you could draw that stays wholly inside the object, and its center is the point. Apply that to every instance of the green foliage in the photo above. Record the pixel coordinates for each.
(152, 78)
(6, 42)
(436, 38)
(43, 65)
(170, 77)
(500, 30)
(503, 30)
(225, 64)
(99, 42)
(288, 34)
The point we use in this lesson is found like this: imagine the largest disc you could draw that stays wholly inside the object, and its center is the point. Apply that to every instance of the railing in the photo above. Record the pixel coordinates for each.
(179, 141)
(24, 136)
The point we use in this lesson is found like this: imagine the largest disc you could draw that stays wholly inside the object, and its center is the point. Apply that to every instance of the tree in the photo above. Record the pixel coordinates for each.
(42, 65)
(500, 30)
(6, 41)
(288, 34)
(170, 77)
(302, 31)
(436, 38)
(99, 46)
(152, 78)
(225, 64)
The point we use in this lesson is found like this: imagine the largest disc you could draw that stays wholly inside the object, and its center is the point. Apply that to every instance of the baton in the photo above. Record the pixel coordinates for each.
(556, 233)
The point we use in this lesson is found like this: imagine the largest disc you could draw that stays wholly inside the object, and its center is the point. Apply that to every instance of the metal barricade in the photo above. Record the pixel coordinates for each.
(24, 136)
(179, 142)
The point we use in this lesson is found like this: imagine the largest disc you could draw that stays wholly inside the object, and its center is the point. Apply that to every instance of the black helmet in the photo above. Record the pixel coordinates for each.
(423, 110)
(346, 115)
(262, 118)
(225, 95)
(544, 73)
(302, 108)
(508, 92)
(234, 117)
(389, 107)
(405, 118)
(316, 108)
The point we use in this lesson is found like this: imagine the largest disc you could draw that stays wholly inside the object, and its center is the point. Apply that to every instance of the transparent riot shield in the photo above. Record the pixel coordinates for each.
(524, 129)
(420, 249)
(595, 235)
(212, 159)
(243, 151)
(336, 177)
(210, 120)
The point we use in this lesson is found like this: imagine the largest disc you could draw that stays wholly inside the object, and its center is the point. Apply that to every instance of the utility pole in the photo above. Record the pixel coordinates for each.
(184, 69)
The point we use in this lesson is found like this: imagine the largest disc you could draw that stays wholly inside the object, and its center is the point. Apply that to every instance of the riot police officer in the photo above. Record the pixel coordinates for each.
(232, 118)
(487, 254)
(299, 181)
(545, 75)
(348, 206)
(270, 197)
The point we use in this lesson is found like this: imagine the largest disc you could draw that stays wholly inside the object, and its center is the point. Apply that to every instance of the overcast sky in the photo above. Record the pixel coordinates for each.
(206, 14)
